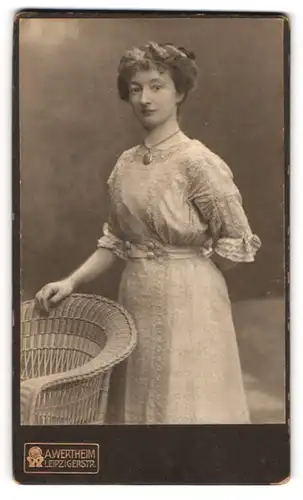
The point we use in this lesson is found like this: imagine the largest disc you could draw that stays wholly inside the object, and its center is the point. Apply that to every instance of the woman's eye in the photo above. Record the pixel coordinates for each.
(156, 87)
(134, 90)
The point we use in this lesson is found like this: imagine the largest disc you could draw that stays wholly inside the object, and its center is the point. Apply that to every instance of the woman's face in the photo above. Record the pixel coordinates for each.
(153, 97)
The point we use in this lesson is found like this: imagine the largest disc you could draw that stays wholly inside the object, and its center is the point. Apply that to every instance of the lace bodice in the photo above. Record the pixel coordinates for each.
(186, 197)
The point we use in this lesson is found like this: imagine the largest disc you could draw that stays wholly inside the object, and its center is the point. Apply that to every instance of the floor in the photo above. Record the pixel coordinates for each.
(260, 326)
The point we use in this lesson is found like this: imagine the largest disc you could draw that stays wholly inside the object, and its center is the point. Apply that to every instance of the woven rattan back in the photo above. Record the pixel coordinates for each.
(69, 354)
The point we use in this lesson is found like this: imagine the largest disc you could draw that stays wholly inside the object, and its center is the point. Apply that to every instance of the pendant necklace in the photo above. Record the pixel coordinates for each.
(148, 156)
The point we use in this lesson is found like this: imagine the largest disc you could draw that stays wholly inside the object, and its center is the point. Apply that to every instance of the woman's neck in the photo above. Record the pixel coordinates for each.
(161, 132)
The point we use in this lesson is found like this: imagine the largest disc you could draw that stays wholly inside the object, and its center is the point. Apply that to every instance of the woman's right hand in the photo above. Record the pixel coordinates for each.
(52, 293)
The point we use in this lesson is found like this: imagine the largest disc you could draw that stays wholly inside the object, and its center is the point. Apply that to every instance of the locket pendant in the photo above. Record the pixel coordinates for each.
(147, 158)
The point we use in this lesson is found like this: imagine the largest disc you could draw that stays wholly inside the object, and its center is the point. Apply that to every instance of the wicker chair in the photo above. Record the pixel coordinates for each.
(67, 357)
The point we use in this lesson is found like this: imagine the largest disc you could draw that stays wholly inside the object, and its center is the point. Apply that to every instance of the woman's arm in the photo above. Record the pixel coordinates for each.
(52, 293)
(101, 260)
(223, 264)
(218, 199)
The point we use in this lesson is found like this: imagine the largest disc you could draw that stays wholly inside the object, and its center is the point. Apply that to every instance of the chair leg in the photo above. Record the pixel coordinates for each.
(103, 398)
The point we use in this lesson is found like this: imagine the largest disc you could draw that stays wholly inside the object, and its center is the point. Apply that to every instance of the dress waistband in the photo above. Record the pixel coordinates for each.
(153, 251)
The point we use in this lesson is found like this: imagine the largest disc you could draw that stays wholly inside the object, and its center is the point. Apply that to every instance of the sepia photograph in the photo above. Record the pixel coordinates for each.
(152, 220)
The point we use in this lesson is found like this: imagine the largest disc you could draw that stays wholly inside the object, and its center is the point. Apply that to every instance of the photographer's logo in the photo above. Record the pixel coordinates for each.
(35, 457)
(61, 458)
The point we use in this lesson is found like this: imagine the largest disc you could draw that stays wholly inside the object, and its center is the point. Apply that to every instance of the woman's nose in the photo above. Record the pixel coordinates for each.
(145, 96)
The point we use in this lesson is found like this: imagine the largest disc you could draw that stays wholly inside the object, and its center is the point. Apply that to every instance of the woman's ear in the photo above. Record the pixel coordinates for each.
(180, 97)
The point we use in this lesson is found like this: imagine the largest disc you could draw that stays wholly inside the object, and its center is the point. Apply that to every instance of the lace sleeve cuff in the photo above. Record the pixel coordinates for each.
(238, 249)
(111, 242)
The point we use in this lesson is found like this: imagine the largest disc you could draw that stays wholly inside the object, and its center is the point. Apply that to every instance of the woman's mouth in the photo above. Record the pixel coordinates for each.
(147, 112)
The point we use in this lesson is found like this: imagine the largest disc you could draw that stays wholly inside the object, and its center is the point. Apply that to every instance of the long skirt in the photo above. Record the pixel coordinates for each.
(185, 368)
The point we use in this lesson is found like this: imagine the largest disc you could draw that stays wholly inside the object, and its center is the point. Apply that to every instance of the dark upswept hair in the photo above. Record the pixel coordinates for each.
(166, 56)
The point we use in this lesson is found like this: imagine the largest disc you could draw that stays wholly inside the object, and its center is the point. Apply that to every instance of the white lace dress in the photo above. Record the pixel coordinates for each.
(166, 219)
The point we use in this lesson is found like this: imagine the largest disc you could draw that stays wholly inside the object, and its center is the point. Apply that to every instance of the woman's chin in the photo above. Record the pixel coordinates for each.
(149, 126)
(148, 121)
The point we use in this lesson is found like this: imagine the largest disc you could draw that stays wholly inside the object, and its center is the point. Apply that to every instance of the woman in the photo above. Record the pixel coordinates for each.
(176, 218)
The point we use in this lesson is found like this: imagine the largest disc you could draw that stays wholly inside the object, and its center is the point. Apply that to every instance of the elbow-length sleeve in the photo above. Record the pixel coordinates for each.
(219, 202)
(109, 238)
(110, 241)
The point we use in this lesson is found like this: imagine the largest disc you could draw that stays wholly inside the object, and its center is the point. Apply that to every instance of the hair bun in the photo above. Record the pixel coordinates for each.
(190, 54)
